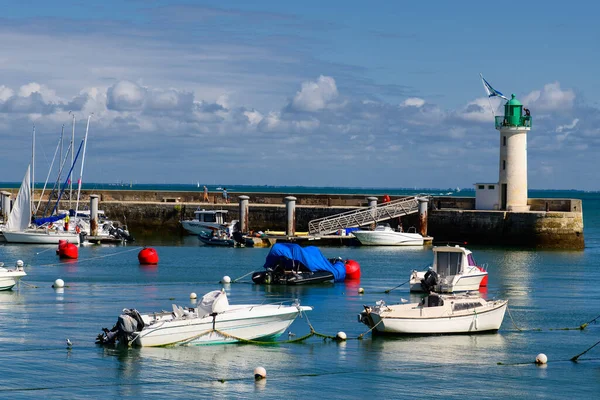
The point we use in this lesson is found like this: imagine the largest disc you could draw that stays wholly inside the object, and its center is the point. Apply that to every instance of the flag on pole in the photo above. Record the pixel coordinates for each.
(490, 90)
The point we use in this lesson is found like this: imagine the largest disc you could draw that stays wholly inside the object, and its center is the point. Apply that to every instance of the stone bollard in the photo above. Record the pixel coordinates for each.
(94, 214)
(5, 204)
(423, 204)
(290, 208)
(373, 204)
(372, 201)
(244, 213)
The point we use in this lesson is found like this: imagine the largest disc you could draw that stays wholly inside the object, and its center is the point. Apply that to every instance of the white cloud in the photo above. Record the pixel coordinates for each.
(125, 96)
(413, 102)
(550, 98)
(315, 96)
(567, 126)
(479, 110)
(5, 93)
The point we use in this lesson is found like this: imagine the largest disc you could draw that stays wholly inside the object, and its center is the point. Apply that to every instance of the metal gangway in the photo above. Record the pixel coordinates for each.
(364, 216)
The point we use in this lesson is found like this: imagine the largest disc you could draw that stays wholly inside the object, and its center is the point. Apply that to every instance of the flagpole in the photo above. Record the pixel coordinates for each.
(488, 98)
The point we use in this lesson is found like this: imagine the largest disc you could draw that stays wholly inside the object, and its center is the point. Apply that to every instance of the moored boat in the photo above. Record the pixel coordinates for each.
(10, 277)
(291, 264)
(384, 235)
(435, 314)
(206, 221)
(453, 270)
(214, 321)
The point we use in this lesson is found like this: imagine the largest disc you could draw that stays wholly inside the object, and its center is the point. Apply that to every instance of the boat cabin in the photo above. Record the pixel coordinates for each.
(211, 216)
(449, 261)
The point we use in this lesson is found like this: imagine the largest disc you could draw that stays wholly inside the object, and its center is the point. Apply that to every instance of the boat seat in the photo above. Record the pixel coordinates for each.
(177, 311)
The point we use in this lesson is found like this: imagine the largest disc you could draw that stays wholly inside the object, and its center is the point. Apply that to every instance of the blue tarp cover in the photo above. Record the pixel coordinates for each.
(46, 220)
(310, 257)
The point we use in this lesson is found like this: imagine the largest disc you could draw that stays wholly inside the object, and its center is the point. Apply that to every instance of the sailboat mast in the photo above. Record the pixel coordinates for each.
(87, 128)
(72, 156)
(32, 168)
(62, 133)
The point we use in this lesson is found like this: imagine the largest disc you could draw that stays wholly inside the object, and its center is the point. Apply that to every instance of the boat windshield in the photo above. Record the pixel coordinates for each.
(449, 263)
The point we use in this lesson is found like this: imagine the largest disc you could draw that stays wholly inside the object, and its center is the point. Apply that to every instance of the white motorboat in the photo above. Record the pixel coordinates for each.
(213, 321)
(10, 277)
(453, 270)
(384, 235)
(206, 221)
(436, 314)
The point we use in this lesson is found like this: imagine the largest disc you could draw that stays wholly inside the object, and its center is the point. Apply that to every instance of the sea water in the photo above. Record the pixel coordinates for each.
(547, 292)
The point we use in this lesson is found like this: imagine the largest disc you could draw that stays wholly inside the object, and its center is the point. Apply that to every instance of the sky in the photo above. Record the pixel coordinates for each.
(314, 93)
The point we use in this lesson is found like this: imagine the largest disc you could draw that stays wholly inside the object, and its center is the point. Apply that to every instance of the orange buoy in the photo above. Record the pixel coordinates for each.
(148, 256)
(352, 269)
(386, 198)
(67, 250)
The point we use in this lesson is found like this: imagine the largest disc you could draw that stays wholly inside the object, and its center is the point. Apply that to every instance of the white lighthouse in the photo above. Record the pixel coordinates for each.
(512, 182)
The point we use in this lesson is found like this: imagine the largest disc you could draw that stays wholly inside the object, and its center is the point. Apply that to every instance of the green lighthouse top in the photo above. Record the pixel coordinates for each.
(513, 101)
(513, 115)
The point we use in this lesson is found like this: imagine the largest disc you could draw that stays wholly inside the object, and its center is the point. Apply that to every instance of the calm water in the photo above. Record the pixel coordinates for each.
(546, 290)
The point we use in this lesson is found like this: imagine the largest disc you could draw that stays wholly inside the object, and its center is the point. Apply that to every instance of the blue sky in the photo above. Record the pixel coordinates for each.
(316, 93)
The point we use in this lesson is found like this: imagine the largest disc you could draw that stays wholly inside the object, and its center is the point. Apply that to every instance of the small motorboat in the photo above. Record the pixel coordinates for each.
(291, 264)
(10, 277)
(453, 270)
(435, 314)
(214, 321)
(384, 235)
(216, 239)
(206, 221)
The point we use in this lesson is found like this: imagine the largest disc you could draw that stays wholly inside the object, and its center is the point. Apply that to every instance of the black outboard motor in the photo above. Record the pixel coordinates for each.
(430, 281)
(128, 323)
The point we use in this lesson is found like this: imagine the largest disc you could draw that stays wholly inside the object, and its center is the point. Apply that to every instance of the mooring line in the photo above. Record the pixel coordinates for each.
(93, 258)
(243, 276)
(403, 283)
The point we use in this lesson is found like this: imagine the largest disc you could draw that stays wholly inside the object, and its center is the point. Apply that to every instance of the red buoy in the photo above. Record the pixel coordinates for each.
(67, 250)
(148, 256)
(352, 270)
(484, 280)
(386, 198)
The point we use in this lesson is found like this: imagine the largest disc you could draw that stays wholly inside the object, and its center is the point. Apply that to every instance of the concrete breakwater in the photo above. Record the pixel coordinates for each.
(550, 223)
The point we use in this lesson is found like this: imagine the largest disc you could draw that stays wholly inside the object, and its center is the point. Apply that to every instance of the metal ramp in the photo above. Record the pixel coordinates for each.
(364, 216)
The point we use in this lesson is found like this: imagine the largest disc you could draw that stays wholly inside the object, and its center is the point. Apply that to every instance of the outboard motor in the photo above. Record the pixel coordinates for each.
(128, 323)
(430, 281)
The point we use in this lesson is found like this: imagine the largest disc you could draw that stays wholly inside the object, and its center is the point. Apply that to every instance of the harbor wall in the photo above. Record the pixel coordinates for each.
(550, 223)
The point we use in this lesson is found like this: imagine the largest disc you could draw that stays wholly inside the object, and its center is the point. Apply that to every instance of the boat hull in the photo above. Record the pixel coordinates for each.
(8, 279)
(260, 322)
(43, 237)
(474, 321)
(197, 228)
(386, 238)
(460, 283)
(304, 278)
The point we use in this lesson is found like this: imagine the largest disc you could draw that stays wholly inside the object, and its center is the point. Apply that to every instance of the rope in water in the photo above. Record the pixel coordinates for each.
(577, 328)
(94, 258)
(396, 287)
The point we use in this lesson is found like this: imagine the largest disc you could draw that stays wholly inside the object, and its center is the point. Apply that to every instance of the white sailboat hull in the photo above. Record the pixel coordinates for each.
(388, 238)
(40, 237)
(248, 322)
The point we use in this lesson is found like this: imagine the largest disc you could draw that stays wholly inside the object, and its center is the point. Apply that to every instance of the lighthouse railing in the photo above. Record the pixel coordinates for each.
(502, 121)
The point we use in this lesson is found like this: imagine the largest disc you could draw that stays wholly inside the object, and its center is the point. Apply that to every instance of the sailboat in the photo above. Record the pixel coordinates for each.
(17, 228)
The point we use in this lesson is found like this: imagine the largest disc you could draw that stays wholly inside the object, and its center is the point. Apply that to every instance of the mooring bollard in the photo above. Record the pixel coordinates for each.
(244, 213)
(5, 204)
(290, 207)
(94, 214)
(423, 204)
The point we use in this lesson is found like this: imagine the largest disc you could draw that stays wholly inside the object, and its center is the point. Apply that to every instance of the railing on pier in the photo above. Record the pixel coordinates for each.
(524, 121)
(364, 216)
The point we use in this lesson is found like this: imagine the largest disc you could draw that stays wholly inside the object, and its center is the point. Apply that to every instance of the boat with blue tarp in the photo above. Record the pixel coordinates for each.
(291, 264)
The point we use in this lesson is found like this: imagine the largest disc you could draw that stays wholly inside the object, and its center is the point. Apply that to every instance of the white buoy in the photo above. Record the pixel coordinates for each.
(226, 279)
(260, 373)
(541, 359)
(341, 336)
(20, 264)
(193, 296)
(361, 290)
(59, 283)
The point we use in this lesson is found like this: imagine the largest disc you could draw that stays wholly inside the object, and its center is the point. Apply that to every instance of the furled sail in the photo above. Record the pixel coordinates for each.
(20, 215)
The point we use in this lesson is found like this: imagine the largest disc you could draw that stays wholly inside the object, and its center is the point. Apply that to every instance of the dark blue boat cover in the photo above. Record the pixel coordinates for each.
(46, 220)
(310, 257)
